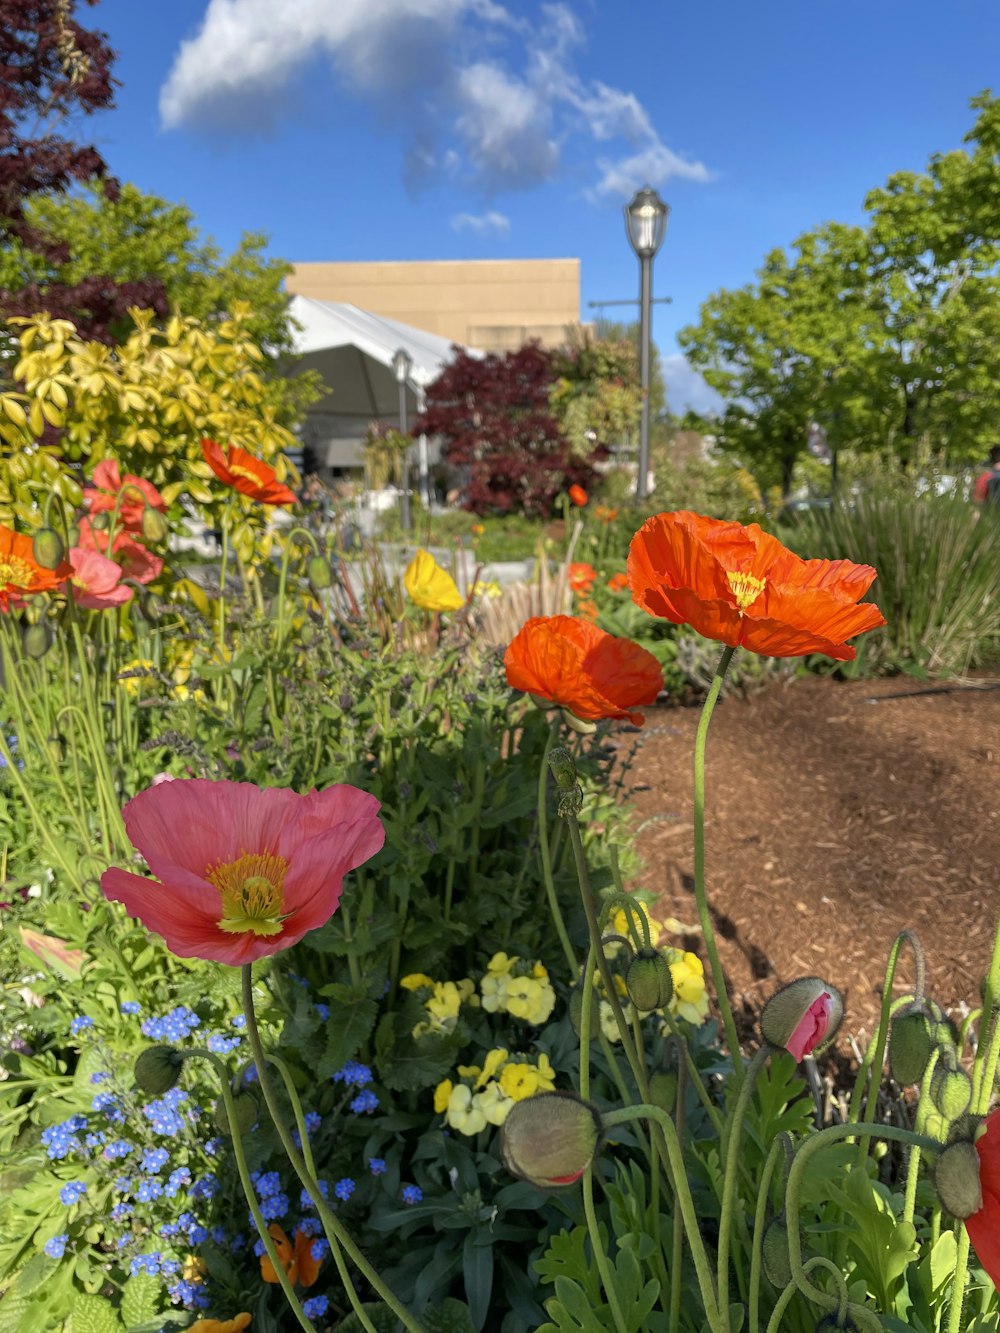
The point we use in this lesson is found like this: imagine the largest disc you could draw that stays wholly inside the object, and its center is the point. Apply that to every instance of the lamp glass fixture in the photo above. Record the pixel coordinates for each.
(646, 222)
(402, 364)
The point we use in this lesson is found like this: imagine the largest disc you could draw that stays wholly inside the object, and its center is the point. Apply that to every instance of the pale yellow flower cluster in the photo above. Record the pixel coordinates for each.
(442, 1000)
(484, 1096)
(515, 986)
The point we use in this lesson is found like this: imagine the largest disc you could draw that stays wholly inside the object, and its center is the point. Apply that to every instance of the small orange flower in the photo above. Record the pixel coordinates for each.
(575, 665)
(20, 574)
(604, 514)
(581, 577)
(235, 1325)
(739, 585)
(297, 1260)
(246, 474)
(617, 582)
(587, 608)
(578, 495)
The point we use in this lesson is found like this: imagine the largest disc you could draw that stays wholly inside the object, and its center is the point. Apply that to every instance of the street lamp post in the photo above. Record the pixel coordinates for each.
(402, 364)
(645, 225)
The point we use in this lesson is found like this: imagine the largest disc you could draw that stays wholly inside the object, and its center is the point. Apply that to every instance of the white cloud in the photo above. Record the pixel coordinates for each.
(482, 96)
(686, 390)
(481, 223)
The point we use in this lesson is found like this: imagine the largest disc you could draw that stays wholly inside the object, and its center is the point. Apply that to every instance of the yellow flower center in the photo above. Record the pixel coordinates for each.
(252, 892)
(746, 588)
(238, 470)
(14, 570)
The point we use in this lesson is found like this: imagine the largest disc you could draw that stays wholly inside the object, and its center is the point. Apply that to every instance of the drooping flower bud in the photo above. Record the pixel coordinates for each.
(550, 1139)
(47, 548)
(951, 1091)
(957, 1180)
(648, 980)
(155, 527)
(563, 767)
(803, 1016)
(663, 1087)
(36, 640)
(247, 1110)
(576, 1010)
(774, 1253)
(319, 573)
(158, 1069)
(910, 1045)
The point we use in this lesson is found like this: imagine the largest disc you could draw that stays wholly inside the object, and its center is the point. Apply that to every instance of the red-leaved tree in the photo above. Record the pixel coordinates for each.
(51, 70)
(493, 418)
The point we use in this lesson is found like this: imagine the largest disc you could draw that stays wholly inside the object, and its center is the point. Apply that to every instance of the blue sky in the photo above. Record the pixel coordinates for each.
(436, 129)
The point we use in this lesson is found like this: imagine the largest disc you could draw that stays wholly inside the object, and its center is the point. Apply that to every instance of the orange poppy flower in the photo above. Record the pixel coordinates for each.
(246, 474)
(604, 514)
(297, 1261)
(573, 664)
(581, 577)
(235, 1325)
(617, 582)
(741, 586)
(578, 495)
(20, 574)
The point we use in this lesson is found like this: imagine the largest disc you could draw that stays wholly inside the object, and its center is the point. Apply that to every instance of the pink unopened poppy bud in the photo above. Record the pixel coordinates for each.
(803, 1016)
(550, 1139)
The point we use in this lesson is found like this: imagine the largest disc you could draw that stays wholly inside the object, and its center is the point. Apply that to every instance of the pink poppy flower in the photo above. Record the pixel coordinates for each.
(243, 871)
(108, 485)
(137, 562)
(96, 580)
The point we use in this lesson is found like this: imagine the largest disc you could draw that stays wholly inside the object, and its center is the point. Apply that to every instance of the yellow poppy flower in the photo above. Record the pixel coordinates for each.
(430, 586)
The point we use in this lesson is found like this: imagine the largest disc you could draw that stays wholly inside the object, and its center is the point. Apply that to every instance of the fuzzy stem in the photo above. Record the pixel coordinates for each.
(731, 1171)
(759, 1227)
(543, 848)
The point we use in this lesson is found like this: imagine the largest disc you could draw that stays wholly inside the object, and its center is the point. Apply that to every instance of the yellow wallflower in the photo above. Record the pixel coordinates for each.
(442, 1093)
(529, 999)
(141, 684)
(445, 1003)
(608, 1024)
(464, 1112)
(690, 996)
(500, 963)
(415, 980)
(430, 586)
(494, 1104)
(519, 1080)
(494, 987)
(494, 1059)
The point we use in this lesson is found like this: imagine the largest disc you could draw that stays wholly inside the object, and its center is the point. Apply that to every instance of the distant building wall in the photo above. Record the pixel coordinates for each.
(495, 304)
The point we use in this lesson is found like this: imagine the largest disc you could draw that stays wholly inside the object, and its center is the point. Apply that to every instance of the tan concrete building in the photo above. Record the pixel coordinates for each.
(493, 304)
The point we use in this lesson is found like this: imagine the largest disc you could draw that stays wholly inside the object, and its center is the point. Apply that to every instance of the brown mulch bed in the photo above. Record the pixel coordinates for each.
(837, 813)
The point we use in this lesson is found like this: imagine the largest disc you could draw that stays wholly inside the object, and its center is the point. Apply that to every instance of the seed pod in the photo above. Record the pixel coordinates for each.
(956, 1179)
(951, 1092)
(550, 1139)
(774, 1253)
(158, 1069)
(563, 767)
(910, 1046)
(247, 1110)
(648, 980)
(47, 548)
(663, 1087)
(319, 573)
(36, 640)
(155, 527)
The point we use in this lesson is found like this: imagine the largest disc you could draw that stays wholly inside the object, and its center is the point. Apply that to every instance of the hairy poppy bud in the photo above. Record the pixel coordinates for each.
(154, 526)
(563, 767)
(663, 1090)
(829, 1323)
(576, 1010)
(951, 1092)
(247, 1110)
(99, 521)
(47, 548)
(803, 1016)
(73, 535)
(648, 980)
(550, 1139)
(158, 1069)
(956, 1179)
(319, 572)
(910, 1045)
(774, 1253)
(36, 640)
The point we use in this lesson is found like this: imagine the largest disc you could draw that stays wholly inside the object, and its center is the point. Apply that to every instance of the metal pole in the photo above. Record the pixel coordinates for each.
(407, 519)
(645, 293)
(422, 459)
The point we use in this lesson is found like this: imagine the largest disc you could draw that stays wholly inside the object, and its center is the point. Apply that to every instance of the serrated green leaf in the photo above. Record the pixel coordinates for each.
(140, 1299)
(91, 1314)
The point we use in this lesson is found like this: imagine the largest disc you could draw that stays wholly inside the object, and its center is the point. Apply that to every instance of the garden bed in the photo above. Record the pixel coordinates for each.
(837, 813)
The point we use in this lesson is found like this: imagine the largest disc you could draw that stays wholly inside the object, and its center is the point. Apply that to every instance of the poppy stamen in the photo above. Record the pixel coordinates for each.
(252, 892)
(16, 571)
(746, 588)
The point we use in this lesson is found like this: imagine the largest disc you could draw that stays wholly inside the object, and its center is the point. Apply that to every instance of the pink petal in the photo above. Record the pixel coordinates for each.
(185, 915)
(811, 1027)
(106, 475)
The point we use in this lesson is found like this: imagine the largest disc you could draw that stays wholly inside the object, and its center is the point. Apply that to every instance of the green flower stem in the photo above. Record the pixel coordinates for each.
(717, 1322)
(704, 916)
(677, 1228)
(984, 1069)
(307, 1178)
(335, 1249)
(958, 1283)
(731, 1171)
(759, 1227)
(694, 1074)
(812, 1145)
(913, 1164)
(608, 1280)
(586, 1009)
(543, 848)
(248, 1189)
(785, 1299)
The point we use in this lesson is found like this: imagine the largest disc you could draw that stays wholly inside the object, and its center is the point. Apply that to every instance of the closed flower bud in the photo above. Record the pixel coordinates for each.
(663, 1090)
(648, 980)
(956, 1179)
(36, 640)
(774, 1253)
(100, 521)
(576, 1011)
(829, 1323)
(247, 1113)
(47, 548)
(550, 1139)
(319, 572)
(563, 767)
(803, 1016)
(155, 527)
(73, 535)
(158, 1069)
(951, 1092)
(910, 1046)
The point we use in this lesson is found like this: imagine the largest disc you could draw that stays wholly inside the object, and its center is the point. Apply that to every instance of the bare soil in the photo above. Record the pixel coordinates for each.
(837, 813)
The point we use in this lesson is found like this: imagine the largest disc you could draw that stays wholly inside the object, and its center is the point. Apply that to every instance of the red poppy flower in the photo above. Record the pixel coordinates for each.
(243, 871)
(578, 495)
(581, 576)
(618, 582)
(984, 1227)
(573, 664)
(136, 494)
(96, 580)
(20, 573)
(298, 1262)
(137, 561)
(741, 586)
(246, 474)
